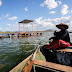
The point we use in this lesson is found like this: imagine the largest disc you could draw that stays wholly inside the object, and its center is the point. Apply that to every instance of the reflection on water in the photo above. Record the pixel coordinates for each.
(13, 51)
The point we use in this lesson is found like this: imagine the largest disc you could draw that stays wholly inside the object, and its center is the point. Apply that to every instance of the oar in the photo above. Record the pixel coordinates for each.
(29, 64)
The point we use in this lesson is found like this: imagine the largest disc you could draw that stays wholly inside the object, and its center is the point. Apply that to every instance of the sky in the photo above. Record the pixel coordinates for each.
(45, 13)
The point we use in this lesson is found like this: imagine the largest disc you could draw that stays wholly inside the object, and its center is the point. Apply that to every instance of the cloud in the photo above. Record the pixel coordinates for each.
(52, 12)
(62, 19)
(26, 9)
(16, 22)
(29, 25)
(64, 9)
(0, 18)
(45, 24)
(71, 11)
(0, 2)
(50, 4)
(25, 15)
(38, 20)
(59, 2)
(0, 28)
(8, 24)
(42, 5)
(6, 15)
(13, 18)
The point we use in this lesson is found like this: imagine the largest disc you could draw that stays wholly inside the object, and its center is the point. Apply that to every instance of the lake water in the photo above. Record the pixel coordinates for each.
(13, 51)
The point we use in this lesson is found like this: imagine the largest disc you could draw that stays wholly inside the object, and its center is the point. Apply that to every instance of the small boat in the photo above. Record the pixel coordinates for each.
(36, 62)
(70, 32)
(1, 36)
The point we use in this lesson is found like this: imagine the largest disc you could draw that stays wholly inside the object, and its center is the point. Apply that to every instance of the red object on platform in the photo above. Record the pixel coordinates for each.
(58, 43)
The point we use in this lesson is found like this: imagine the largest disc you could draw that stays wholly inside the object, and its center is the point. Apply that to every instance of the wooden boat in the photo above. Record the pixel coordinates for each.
(37, 63)
(1, 36)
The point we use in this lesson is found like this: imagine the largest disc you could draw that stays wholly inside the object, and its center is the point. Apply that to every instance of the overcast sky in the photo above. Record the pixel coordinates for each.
(45, 13)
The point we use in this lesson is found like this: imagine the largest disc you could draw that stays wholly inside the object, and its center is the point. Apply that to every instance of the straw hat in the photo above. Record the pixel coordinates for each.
(62, 24)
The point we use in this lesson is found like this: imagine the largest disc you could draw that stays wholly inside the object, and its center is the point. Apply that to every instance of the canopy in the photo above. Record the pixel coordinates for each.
(26, 21)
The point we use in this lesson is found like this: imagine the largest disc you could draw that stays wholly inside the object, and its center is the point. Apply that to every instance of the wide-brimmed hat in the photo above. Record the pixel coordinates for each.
(62, 24)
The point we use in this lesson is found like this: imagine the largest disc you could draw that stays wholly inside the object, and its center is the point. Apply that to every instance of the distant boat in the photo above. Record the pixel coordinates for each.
(70, 32)
(1, 36)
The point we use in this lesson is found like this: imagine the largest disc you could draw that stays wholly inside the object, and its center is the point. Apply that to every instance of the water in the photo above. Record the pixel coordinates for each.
(13, 51)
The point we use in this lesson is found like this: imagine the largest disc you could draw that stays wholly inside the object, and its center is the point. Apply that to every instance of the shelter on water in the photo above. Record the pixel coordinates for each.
(25, 22)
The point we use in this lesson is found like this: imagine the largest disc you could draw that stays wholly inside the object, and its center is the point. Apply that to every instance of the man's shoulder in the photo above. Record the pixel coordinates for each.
(66, 30)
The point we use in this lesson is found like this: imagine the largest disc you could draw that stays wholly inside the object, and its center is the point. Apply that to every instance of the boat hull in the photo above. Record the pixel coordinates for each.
(38, 60)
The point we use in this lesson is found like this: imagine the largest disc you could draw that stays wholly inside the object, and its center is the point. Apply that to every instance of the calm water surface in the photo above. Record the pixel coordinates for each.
(13, 51)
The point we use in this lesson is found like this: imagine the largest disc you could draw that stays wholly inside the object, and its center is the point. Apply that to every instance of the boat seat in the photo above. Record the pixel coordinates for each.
(69, 49)
(65, 50)
(53, 66)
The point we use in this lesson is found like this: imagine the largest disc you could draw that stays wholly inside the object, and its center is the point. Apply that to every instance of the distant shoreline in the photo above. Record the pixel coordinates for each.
(29, 31)
(43, 31)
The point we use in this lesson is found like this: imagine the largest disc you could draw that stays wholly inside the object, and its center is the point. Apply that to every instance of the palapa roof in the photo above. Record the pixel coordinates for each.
(26, 21)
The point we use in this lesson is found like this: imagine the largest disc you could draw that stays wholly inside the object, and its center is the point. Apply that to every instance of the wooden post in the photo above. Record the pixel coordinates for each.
(23, 27)
(27, 28)
(19, 28)
(32, 29)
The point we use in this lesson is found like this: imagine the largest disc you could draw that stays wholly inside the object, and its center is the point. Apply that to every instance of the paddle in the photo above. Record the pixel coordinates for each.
(28, 66)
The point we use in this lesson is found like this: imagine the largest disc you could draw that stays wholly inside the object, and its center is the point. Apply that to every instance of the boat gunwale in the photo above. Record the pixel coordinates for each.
(20, 63)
